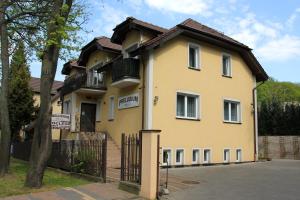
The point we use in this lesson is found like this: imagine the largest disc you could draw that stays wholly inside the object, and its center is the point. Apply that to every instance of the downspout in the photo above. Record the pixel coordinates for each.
(143, 91)
(254, 96)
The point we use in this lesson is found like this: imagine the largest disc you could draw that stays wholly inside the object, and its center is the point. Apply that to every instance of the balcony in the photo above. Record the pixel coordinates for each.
(125, 72)
(92, 83)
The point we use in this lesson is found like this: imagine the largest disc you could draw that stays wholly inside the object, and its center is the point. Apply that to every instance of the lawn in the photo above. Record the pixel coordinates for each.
(13, 183)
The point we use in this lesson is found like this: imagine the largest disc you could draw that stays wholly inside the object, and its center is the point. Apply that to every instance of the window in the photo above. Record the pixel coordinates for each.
(167, 157)
(67, 107)
(206, 156)
(179, 156)
(232, 111)
(239, 155)
(226, 155)
(194, 56)
(196, 156)
(187, 106)
(111, 108)
(226, 65)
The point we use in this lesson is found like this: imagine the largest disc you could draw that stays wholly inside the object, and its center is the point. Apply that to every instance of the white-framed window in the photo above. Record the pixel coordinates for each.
(111, 113)
(194, 56)
(232, 111)
(239, 155)
(226, 155)
(179, 156)
(187, 106)
(226, 65)
(166, 156)
(67, 107)
(195, 156)
(206, 156)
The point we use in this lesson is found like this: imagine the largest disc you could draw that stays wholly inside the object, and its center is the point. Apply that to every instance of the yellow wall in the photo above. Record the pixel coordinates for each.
(56, 108)
(171, 73)
(126, 120)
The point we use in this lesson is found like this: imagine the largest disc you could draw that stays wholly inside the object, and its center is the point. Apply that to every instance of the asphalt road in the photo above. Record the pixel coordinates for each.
(273, 180)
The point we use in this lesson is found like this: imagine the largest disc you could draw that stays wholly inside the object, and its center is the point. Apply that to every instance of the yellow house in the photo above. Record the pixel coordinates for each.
(192, 82)
(34, 84)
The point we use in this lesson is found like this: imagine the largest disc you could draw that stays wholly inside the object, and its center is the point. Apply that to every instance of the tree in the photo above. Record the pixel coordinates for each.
(21, 103)
(57, 30)
(46, 29)
(5, 126)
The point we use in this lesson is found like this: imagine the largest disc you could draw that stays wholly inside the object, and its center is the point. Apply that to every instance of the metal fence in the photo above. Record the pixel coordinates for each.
(80, 156)
(131, 158)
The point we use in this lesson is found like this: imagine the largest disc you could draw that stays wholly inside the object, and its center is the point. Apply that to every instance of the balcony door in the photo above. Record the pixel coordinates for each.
(88, 117)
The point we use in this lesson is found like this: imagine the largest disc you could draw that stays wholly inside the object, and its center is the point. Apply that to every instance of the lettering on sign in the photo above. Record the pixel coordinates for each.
(128, 101)
(60, 121)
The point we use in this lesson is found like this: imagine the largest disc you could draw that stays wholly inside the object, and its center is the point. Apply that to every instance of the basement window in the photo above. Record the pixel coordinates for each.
(194, 56)
(239, 155)
(206, 156)
(226, 155)
(196, 156)
(179, 157)
(167, 157)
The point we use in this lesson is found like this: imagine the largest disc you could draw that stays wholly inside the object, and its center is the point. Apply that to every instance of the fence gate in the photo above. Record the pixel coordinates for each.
(131, 158)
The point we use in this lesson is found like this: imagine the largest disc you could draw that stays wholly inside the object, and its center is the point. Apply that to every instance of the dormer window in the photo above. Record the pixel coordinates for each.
(194, 56)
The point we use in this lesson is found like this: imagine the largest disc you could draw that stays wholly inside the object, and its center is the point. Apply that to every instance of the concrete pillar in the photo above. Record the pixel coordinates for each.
(149, 164)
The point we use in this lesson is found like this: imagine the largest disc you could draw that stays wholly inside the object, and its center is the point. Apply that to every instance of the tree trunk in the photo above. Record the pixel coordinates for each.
(42, 139)
(5, 127)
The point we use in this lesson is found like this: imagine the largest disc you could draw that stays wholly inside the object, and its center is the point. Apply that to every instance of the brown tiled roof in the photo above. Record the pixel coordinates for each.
(131, 23)
(142, 23)
(68, 66)
(35, 85)
(206, 33)
(105, 42)
(192, 24)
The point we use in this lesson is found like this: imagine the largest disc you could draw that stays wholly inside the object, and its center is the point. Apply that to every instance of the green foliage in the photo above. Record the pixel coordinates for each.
(279, 108)
(84, 161)
(281, 91)
(20, 99)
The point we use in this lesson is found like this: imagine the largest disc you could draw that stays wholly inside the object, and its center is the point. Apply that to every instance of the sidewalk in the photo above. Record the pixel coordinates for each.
(94, 191)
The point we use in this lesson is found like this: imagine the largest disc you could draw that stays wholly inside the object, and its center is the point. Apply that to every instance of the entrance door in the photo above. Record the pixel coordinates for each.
(88, 117)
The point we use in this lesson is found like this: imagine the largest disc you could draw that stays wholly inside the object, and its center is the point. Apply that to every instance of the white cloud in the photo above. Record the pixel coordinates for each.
(191, 7)
(281, 49)
(291, 20)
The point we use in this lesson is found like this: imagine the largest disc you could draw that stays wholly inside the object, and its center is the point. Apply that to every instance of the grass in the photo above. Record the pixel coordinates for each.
(13, 183)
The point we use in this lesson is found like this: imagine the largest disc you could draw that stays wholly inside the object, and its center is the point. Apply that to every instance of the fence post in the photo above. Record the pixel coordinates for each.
(149, 164)
(72, 154)
(104, 157)
(122, 156)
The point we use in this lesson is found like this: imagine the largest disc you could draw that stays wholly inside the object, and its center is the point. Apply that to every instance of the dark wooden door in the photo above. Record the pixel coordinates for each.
(88, 117)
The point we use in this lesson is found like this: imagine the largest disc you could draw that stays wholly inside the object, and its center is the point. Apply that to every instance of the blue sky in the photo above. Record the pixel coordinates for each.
(270, 27)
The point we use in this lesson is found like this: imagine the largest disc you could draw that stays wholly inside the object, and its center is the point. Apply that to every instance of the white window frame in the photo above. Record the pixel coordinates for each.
(239, 110)
(198, 106)
(236, 155)
(183, 156)
(69, 103)
(198, 57)
(228, 159)
(111, 111)
(210, 156)
(230, 65)
(170, 159)
(199, 156)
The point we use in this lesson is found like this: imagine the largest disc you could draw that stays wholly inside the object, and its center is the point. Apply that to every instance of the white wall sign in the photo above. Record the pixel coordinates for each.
(128, 101)
(60, 121)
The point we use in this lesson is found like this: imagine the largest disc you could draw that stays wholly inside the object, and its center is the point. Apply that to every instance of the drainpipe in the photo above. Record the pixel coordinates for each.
(143, 90)
(255, 120)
